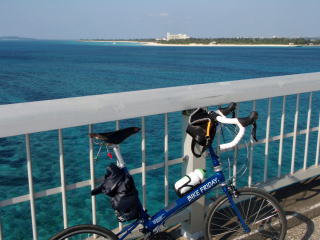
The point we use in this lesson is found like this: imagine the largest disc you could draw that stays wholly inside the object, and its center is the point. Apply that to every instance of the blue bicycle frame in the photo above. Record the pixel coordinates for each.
(150, 223)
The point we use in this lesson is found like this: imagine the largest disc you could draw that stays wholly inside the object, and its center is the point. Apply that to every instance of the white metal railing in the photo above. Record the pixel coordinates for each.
(26, 118)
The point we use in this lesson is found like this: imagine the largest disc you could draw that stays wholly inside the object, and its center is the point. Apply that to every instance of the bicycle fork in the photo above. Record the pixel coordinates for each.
(236, 209)
(217, 169)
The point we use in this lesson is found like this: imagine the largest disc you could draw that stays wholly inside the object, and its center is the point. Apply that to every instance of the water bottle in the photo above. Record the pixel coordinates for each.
(189, 181)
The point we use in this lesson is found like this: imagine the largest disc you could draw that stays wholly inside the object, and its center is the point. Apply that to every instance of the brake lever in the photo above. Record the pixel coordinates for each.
(254, 131)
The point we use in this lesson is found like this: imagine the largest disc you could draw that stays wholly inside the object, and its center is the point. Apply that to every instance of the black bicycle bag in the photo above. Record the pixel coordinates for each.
(119, 185)
(202, 129)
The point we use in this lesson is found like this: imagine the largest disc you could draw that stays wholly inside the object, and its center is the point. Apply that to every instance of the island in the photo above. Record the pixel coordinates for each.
(237, 41)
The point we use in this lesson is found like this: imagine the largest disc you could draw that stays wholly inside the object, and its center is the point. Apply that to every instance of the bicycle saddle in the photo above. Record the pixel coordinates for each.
(115, 137)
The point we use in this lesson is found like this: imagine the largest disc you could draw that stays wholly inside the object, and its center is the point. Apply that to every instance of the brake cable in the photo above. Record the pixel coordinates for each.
(96, 158)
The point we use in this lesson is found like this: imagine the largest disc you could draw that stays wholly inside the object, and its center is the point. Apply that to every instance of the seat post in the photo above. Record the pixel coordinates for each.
(120, 161)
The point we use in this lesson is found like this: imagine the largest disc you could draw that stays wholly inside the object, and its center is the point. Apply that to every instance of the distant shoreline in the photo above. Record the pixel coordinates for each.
(199, 44)
(218, 45)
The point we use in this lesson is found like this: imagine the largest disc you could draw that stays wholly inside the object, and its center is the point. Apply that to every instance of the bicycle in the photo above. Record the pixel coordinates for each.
(247, 213)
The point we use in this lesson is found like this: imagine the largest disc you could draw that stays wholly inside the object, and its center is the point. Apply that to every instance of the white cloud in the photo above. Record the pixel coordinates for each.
(162, 14)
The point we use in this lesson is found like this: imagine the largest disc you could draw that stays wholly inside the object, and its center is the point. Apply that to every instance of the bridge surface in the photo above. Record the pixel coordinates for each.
(309, 230)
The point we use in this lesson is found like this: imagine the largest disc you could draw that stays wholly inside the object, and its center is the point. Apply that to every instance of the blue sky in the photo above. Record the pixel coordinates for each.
(74, 19)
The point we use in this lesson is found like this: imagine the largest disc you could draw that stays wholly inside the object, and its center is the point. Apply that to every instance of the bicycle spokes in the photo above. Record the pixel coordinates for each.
(259, 213)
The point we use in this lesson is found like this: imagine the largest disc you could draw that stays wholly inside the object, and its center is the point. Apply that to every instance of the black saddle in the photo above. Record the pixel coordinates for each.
(115, 137)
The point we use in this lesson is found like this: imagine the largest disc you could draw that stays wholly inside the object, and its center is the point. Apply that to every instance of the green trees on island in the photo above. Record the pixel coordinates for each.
(237, 40)
(249, 41)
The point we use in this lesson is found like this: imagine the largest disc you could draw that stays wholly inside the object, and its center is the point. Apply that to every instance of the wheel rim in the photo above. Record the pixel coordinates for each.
(260, 214)
(86, 235)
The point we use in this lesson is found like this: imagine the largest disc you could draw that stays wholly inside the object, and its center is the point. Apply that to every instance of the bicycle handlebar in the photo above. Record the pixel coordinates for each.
(240, 122)
(246, 121)
(226, 110)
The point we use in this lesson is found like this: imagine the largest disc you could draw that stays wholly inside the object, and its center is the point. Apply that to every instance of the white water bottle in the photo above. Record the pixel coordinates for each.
(188, 182)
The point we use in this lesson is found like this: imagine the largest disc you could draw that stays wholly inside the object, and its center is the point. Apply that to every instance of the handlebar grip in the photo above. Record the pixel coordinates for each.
(226, 110)
(246, 121)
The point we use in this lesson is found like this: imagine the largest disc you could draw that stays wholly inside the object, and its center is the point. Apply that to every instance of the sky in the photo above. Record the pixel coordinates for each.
(129, 19)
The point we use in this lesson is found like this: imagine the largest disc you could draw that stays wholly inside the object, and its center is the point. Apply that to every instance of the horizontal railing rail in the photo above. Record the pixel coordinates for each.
(31, 117)
(23, 118)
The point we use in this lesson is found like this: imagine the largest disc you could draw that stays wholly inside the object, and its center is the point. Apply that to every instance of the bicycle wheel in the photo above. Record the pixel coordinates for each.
(87, 232)
(260, 211)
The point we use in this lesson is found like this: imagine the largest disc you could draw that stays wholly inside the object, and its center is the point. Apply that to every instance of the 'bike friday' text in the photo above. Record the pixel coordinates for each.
(203, 189)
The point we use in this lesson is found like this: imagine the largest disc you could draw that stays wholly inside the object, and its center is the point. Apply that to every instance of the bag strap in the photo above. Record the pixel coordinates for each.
(204, 148)
(193, 144)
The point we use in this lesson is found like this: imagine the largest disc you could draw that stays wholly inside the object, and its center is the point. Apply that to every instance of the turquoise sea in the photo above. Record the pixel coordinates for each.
(41, 70)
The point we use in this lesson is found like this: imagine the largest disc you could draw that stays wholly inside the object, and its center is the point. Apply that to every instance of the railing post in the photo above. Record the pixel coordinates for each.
(166, 159)
(62, 180)
(254, 103)
(318, 145)
(235, 156)
(283, 116)
(31, 190)
(307, 133)
(143, 163)
(117, 128)
(1, 236)
(266, 150)
(295, 129)
(92, 177)
(193, 228)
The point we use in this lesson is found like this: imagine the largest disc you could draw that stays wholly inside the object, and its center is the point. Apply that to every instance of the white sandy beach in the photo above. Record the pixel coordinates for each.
(198, 44)
(216, 45)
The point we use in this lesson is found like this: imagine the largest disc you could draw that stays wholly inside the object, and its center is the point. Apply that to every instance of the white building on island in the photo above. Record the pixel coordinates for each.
(176, 36)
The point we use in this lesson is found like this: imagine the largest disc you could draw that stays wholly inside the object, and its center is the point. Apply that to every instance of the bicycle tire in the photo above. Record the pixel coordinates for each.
(261, 212)
(84, 232)
(161, 236)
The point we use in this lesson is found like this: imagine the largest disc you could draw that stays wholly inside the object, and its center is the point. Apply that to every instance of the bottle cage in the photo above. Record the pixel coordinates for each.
(184, 185)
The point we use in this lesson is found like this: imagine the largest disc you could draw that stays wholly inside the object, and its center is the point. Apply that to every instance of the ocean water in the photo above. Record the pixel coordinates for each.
(41, 70)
